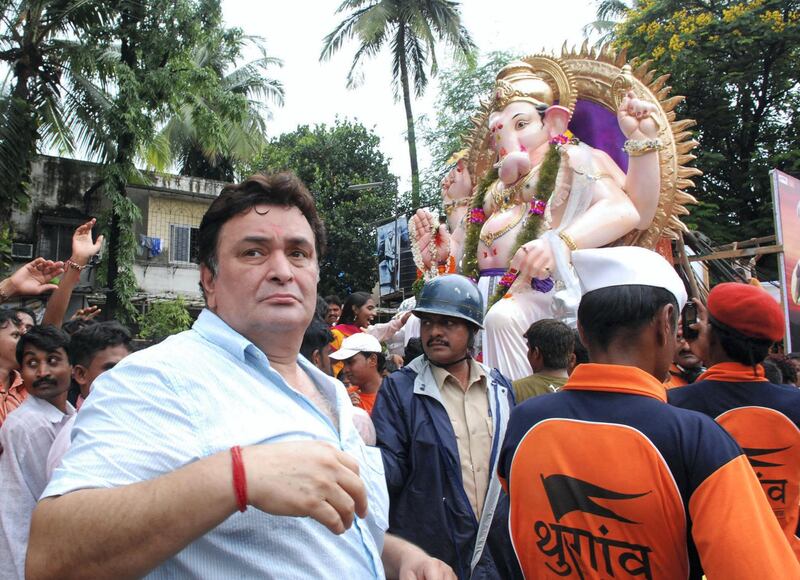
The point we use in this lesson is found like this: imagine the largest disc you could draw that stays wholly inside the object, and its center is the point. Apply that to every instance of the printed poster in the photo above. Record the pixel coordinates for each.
(786, 197)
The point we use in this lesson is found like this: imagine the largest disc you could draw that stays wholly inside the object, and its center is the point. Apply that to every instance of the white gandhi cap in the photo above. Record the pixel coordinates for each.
(626, 265)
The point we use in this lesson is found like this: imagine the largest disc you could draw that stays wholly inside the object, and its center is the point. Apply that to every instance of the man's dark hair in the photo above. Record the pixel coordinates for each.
(413, 350)
(333, 299)
(88, 341)
(355, 300)
(321, 311)
(26, 310)
(743, 349)
(555, 342)
(317, 335)
(621, 311)
(8, 316)
(73, 326)
(280, 189)
(772, 371)
(47, 338)
(785, 367)
(581, 354)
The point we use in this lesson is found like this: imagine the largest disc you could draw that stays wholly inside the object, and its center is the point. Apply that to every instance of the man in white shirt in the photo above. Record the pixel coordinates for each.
(92, 351)
(179, 441)
(26, 437)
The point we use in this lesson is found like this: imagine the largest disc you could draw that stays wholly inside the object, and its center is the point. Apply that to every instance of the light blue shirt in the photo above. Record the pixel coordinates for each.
(204, 391)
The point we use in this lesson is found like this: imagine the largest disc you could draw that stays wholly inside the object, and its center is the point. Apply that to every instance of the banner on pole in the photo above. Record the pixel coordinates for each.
(786, 198)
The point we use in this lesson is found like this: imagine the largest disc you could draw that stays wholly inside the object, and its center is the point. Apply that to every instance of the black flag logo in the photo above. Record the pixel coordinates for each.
(752, 452)
(567, 494)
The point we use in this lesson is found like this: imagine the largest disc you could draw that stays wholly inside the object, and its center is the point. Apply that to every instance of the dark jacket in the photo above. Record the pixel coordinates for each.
(428, 505)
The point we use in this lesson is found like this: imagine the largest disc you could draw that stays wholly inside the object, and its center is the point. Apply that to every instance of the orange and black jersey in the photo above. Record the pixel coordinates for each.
(765, 420)
(606, 480)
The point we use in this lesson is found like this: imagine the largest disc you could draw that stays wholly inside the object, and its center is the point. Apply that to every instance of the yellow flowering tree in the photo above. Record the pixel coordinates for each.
(736, 61)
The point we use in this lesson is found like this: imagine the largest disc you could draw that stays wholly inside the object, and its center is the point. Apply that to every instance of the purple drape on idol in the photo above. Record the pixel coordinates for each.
(598, 127)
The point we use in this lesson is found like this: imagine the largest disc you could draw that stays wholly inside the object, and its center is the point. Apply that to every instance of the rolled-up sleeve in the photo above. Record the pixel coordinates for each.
(135, 426)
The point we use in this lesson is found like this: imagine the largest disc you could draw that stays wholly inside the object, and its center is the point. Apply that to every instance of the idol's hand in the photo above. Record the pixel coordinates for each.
(637, 118)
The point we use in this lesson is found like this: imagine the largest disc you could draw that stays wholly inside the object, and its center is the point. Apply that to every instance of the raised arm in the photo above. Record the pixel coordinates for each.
(643, 181)
(83, 248)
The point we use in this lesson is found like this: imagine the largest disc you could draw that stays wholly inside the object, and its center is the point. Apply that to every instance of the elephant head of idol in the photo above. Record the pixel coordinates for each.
(523, 120)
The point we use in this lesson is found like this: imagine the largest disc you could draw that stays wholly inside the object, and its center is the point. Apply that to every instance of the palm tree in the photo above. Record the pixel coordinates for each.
(209, 131)
(411, 28)
(609, 14)
(49, 101)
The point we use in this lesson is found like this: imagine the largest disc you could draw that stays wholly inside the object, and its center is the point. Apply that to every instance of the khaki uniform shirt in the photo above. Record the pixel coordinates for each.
(536, 385)
(469, 414)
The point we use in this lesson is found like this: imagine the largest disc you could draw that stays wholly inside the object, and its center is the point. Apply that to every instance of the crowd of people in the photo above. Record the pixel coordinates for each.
(291, 436)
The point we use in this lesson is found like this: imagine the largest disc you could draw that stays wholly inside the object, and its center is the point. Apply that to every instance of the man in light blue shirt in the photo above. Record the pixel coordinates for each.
(152, 482)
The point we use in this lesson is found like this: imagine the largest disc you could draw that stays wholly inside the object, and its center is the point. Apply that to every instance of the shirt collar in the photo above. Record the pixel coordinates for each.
(734, 372)
(615, 379)
(216, 331)
(50, 411)
(440, 375)
(16, 382)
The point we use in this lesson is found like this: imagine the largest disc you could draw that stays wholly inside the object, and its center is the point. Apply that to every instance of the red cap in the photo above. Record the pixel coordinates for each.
(748, 310)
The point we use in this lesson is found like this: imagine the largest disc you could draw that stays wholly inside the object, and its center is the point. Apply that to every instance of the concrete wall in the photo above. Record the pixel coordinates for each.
(58, 186)
(159, 280)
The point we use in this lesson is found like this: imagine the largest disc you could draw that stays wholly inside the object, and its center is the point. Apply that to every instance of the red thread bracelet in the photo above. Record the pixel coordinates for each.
(239, 479)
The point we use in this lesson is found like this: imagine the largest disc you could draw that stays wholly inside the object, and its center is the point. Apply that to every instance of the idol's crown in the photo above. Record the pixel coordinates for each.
(517, 81)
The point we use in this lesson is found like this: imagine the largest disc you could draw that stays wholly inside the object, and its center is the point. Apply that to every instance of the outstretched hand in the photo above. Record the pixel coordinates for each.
(83, 248)
(34, 277)
(425, 227)
(86, 313)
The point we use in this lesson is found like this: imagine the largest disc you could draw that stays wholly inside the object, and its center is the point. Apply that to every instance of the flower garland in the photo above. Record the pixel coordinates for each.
(532, 226)
(469, 261)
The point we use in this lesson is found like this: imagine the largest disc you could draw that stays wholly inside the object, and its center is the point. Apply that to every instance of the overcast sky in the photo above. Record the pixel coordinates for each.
(316, 93)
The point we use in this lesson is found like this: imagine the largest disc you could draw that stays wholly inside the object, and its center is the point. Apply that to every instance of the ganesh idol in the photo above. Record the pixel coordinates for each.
(530, 191)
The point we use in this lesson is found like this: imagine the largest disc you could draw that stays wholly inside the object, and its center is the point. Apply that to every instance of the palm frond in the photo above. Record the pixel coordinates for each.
(344, 31)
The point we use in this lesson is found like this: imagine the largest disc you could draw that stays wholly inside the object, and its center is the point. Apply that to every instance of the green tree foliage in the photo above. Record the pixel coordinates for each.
(412, 30)
(155, 66)
(209, 132)
(736, 63)
(48, 100)
(164, 319)
(461, 88)
(609, 13)
(329, 160)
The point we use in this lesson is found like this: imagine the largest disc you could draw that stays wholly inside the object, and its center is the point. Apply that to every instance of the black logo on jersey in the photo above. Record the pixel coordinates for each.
(753, 452)
(567, 494)
(572, 550)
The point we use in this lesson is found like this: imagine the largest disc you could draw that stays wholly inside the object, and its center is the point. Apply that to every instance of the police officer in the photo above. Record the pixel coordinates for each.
(439, 422)
(607, 480)
(734, 336)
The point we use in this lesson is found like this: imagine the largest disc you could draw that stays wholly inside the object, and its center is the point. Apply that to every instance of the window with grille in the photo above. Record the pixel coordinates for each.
(55, 239)
(183, 244)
